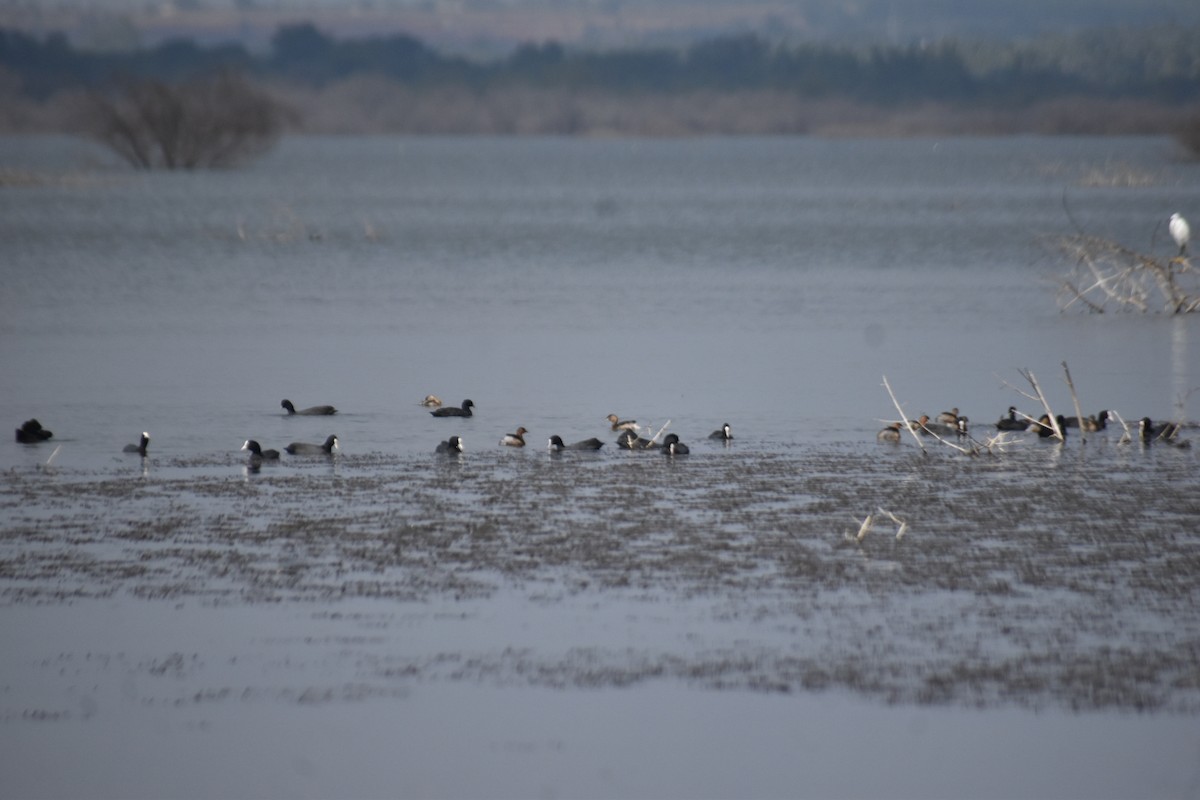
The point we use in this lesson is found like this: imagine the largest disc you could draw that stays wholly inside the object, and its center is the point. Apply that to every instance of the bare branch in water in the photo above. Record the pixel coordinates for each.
(1032, 379)
(1106, 272)
(1075, 400)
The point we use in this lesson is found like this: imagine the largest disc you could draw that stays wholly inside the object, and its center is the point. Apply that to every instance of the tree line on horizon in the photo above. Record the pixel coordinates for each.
(1151, 65)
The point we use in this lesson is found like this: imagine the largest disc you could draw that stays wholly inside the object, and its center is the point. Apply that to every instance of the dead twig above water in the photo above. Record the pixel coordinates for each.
(868, 524)
(1106, 273)
(1075, 400)
(1038, 397)
(904, 420)
(925, 429)
(1127, 436)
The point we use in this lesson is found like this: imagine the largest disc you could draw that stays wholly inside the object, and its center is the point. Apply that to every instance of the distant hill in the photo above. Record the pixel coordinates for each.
(487, 28)
(1115, 79)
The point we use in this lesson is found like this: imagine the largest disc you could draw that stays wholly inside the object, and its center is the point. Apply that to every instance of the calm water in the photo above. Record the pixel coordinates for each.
(208, 613)
(768, 283)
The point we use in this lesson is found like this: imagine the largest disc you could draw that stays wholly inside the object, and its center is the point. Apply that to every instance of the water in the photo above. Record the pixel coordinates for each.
(603, 606)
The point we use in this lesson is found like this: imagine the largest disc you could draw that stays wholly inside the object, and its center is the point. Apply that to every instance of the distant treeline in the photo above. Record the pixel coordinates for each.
(1161, 66)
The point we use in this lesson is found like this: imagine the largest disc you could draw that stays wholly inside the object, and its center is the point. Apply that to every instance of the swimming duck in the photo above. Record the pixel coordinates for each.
(725, 434)
(451, 411)
(948, 417)
(628, 440)
(515, 439)
(926, 425)
(889, 434)
(31, 431)
(1096, 422)
(619, 424)
(1166, 431)
(673, 447)
(556, 444)
(1045, 430)
(257, 453)
(432, 401)
(453, 446)
(311, 411)
(1011, 423)
(140, 447)
(305, 449)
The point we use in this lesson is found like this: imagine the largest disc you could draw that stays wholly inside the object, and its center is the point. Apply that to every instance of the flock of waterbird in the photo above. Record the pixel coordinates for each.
(951, 423)
(628, 438)
(948, 423)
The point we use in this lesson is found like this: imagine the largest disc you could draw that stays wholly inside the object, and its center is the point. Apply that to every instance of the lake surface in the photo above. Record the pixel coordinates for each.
(513, 622)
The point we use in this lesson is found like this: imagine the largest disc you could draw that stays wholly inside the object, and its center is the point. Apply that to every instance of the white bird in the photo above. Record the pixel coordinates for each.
(1180, 232)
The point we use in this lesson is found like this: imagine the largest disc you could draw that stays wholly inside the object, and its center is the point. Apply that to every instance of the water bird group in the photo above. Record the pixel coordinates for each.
(1044, 426)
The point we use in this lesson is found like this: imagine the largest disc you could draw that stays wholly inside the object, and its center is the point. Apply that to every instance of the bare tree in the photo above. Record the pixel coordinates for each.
(1106, 273)
(203, 123)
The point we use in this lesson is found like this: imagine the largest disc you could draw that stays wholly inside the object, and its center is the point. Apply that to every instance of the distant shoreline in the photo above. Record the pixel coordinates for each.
(366, 105)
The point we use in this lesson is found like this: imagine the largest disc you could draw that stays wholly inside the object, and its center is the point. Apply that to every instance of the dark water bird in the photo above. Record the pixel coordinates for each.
(1010, 422)
(140, 447)
(1162, 432)
(1093, 423)
(515, 439)
(619, 424)
(305, 449)
(1180, 232)
(628, 440)
(256, 451)
(451, 411)
(453, 446)
(31, 432)
(556, 444)
(1045, 430)
(673, 447)
(725, 434)
(432, 401)
(311, 411)
(889, 434)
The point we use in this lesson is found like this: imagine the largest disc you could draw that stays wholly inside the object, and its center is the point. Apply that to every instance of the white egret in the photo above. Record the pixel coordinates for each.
(1180, 232)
